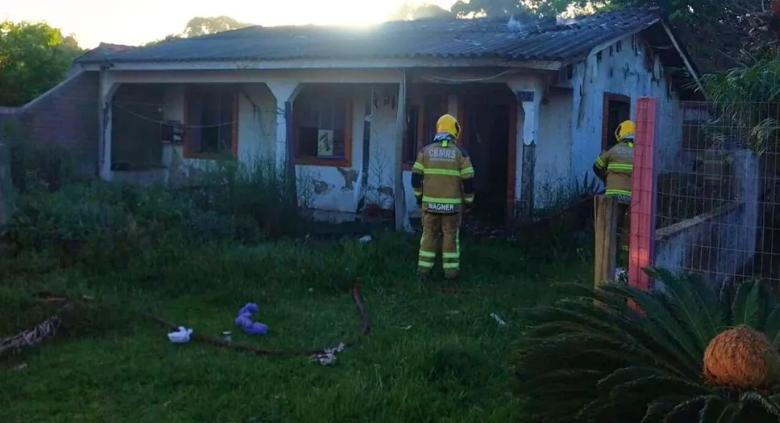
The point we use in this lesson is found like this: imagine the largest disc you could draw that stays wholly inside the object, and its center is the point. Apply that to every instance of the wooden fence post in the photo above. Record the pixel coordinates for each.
(605, 217)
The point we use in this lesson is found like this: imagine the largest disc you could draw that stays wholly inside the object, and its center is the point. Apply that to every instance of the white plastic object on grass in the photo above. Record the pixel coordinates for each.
(365, 239)
(181, 336)
(328, 357)
(498, 320)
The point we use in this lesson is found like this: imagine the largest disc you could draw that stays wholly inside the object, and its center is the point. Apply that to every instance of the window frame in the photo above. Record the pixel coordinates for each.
(420, 99)
(191, 91)
(348, 102)
(605, 132)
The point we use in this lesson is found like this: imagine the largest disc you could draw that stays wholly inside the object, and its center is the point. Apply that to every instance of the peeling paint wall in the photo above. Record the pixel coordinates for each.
(381, 176)
(337, 188)
(256, 124)
(623, 68)
(321, 187)
(567, 141)
(552, 176)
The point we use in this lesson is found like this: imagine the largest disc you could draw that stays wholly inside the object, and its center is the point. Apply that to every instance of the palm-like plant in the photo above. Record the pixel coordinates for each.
(746, 100)
(592, 358)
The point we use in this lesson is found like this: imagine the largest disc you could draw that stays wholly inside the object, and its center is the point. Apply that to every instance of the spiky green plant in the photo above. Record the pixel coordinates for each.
(592, 358)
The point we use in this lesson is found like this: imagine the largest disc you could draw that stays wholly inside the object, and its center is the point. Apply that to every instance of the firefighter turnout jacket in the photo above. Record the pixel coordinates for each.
(616, 165)
(443, 177)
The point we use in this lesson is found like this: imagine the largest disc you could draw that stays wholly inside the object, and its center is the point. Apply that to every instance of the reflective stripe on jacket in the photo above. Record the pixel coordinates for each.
(618, 164)
(442, 178)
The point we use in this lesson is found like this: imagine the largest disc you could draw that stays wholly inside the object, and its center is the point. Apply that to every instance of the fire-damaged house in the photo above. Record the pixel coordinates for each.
(538, 100)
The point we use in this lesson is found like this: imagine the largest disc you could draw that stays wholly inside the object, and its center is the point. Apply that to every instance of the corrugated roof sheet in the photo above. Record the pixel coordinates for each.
(102, 51)
(511, 39)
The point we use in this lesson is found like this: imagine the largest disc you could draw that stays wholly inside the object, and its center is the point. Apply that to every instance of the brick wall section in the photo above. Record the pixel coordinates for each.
(66, 116)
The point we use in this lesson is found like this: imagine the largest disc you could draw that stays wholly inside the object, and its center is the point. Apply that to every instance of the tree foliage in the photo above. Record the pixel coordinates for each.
(591, 358)
(414, 11)
(542, 8)
(198, 26)
(716, 32)
(34, 57)
(479, 8)
(747, 99)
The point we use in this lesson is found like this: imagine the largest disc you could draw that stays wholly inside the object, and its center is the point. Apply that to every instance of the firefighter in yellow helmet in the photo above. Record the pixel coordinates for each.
(615, 167)
(443, 183)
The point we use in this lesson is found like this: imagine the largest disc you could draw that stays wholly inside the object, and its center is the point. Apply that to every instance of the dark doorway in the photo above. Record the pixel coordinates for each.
(487, 131)
(617, 108)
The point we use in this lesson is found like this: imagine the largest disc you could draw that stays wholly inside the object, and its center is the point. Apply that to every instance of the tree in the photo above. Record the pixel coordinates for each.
(198, 26)
(716, 32)
(478, 8)
(34, 57)
(414, 11)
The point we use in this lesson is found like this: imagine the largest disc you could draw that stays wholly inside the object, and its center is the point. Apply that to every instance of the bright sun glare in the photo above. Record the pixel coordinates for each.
(139, 21)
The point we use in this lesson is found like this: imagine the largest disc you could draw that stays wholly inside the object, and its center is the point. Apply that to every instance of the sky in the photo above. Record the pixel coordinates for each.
(135, 22)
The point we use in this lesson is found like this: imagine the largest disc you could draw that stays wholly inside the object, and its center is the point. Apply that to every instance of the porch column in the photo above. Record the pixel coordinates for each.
(106, 95)
(528, 92)
(285, 92)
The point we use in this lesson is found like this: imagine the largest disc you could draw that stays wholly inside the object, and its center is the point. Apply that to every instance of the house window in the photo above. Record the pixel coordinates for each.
(211, 122)
(421, 116)
(322, 129)
(617, 108)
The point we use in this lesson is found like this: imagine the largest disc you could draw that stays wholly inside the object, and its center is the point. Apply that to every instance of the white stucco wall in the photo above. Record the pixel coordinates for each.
(381, 176)
(567, 138)
(323, 187)
(256, 123)
(620, 72)
(336, 188)
(552, 173)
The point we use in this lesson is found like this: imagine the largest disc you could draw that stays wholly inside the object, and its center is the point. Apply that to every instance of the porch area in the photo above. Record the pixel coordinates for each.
(165, 127)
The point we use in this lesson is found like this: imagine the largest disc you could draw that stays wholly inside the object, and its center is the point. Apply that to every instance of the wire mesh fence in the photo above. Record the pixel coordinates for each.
(717, 203)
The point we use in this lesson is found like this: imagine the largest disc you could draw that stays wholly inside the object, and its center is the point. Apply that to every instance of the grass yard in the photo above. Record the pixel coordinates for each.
(429, 356)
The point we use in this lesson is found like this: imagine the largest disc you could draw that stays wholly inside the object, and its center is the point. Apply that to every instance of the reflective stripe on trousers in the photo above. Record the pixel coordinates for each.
(446, 227)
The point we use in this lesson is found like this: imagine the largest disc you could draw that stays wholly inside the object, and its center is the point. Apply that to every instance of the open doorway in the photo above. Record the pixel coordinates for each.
(487, 132)
(617, 108)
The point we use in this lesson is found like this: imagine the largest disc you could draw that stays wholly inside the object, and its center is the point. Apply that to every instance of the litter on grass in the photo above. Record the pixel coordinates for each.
(498, 320)
(328, 357)
(244, 320)
(181, 336)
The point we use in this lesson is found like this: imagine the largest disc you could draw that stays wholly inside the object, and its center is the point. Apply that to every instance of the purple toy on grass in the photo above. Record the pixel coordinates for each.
(244, 320)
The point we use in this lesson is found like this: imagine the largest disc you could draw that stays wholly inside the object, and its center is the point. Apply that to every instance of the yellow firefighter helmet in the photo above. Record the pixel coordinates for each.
(625, 130)
(448, 124)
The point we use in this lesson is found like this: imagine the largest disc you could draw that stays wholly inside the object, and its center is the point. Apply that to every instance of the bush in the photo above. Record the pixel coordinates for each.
(592, 358)
(105, 224)
(258, 190)
(36, 168)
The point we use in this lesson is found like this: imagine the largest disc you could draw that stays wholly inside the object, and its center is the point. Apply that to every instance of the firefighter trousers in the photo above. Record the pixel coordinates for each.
(446, 227)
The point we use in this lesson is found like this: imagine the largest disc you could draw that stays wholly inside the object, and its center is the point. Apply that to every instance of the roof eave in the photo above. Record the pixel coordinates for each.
(611, 41)
(689, 64)
(310, 64)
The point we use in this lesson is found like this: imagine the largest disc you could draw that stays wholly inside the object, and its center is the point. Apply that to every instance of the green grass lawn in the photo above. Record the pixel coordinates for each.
(429, 356)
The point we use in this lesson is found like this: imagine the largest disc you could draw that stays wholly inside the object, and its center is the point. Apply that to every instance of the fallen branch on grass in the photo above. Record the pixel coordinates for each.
(219, 342)
(45, 329)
